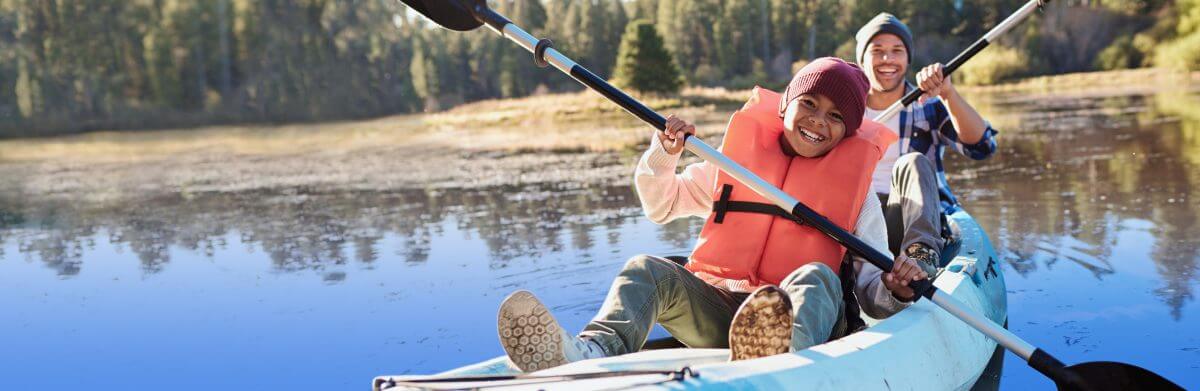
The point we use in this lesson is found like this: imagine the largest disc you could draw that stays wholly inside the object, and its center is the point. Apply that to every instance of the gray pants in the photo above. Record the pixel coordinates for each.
(912, 211)
(651, 289)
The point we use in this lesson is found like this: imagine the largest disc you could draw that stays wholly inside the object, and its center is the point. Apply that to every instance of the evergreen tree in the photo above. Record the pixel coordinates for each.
(645, 10)
(643, 62)
(739, 35)
(613, 31)
(426, 80)
(687, 30)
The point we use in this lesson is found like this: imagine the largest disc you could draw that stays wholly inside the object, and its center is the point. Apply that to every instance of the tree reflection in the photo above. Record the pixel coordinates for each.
(1071, 177)
(1072, 174)
(304, 229)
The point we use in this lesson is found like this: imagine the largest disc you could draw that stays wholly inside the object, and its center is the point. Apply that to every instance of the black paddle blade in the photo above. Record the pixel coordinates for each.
(1108, 375)
(451, 14)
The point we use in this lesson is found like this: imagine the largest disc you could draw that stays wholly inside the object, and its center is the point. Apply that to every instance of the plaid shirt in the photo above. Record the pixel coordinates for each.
(927, 128)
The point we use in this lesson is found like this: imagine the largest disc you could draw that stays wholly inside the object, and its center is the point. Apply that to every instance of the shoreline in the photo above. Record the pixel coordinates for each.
(577, 137)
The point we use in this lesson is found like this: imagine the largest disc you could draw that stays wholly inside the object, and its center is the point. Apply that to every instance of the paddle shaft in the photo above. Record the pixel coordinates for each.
(544, 54)
(975, 48)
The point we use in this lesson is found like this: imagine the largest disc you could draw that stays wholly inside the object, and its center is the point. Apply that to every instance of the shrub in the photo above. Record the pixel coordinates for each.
(995, 64)
(1121, 54)
(757, 76)
(1182, 53)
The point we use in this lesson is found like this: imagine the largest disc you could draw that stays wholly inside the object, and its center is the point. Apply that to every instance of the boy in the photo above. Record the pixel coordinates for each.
(757, 282)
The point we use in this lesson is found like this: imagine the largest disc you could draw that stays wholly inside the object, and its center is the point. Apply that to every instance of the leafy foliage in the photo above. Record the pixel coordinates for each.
(643, 63)
(994, 65)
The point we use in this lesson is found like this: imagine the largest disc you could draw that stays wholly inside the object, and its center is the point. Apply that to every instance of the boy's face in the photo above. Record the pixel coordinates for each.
(813, 125)
(886, 61)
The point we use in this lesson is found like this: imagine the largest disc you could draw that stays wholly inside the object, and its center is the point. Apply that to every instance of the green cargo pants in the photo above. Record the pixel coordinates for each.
(652, 289)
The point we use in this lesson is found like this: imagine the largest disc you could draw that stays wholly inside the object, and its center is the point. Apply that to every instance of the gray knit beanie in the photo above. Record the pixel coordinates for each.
(882, 23)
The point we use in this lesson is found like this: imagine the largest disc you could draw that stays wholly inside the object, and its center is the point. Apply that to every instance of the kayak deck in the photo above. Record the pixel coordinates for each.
(922, 347)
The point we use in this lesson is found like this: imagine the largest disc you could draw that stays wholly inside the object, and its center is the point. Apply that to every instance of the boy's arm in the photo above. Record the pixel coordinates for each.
(874, 298)
(665, 195)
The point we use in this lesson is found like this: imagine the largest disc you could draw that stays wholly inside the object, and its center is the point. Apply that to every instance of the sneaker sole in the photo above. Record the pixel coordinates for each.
(529, 334)
(762, 326)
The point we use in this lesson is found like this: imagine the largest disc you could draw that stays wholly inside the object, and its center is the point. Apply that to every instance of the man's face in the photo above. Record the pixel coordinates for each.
(886, 62)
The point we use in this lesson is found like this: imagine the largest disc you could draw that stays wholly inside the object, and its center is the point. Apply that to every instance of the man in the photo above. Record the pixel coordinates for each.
(757, 282)
(910, 179)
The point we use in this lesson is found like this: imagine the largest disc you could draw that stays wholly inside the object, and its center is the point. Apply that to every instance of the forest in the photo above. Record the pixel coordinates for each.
(69, 66)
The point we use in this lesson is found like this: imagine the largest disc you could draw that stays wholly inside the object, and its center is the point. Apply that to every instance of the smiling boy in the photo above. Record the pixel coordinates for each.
(758, 281)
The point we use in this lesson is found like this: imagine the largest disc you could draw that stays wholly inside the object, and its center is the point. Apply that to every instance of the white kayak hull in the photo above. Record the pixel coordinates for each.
(920, 348)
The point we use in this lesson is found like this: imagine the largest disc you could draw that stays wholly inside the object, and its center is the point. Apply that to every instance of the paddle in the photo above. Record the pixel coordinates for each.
(961, 58)
(457, 15)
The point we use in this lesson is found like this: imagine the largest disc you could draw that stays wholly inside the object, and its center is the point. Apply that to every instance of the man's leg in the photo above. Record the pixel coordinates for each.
(652, 289)
(819, 312)
(913, 212)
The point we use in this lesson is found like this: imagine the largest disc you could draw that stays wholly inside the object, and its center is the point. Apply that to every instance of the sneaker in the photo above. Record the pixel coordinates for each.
(534, 340)
(925, 256)
(762, 326)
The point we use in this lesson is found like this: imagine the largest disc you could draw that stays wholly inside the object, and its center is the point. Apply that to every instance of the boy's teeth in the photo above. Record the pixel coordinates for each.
(811, 136)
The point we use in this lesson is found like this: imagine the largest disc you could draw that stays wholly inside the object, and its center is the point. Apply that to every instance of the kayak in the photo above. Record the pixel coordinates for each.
(921, 347)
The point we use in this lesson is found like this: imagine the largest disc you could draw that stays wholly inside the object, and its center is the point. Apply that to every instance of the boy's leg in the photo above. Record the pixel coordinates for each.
(652, 289)
(819, 312)
(762, 326)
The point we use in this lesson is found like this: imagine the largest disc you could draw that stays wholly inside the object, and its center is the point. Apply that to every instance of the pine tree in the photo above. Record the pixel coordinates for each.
(643, 62)
(787, 27)
(423, 69)
(644, 9)
(739, 36)
(613, 31)
(687, 30)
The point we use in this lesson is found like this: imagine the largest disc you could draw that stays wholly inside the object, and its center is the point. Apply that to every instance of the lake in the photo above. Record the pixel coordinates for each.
(117, 274)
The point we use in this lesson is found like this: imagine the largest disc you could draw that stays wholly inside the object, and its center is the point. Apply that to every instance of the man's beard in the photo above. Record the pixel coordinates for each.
(887, 89)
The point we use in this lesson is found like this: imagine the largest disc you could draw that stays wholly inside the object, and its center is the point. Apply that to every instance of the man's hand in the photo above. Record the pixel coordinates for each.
(932, 80)
(904, 271)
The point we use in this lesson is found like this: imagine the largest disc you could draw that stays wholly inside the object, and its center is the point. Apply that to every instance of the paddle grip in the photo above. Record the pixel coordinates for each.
(952, 66)
(1048, 365)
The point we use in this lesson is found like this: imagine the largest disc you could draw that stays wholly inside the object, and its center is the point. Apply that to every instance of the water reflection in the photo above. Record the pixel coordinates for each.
(1074, 173)
(301, 230)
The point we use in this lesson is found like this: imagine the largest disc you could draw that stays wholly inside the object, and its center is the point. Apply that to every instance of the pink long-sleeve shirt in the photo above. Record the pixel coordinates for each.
(667, 195)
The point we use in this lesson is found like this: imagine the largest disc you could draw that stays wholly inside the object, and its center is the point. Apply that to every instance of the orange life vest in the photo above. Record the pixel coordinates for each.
(741, 240)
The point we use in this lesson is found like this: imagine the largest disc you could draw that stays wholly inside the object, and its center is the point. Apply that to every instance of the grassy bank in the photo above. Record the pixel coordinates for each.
(1126, 79)
(571, 122)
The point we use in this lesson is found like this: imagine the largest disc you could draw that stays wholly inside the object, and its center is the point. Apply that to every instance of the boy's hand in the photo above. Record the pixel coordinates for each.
(933, 81)
(672, 138)
(904, 271)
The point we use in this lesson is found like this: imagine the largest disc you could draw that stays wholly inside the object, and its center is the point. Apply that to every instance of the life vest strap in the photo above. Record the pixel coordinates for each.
(723, 205)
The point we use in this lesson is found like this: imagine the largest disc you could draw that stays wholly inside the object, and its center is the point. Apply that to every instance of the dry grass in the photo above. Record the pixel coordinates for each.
(1150, 79)
(559, 123)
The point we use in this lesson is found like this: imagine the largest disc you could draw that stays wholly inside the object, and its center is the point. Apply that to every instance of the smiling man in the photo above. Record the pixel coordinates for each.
(910, 179)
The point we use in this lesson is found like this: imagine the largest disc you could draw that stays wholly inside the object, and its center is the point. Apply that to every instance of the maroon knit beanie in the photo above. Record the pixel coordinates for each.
(842, 82)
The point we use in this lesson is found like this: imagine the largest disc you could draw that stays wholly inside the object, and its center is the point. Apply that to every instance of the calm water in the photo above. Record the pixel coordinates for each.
(1089, 201)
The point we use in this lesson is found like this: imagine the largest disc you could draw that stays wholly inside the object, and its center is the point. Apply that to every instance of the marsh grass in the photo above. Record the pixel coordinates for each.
(556, 123)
